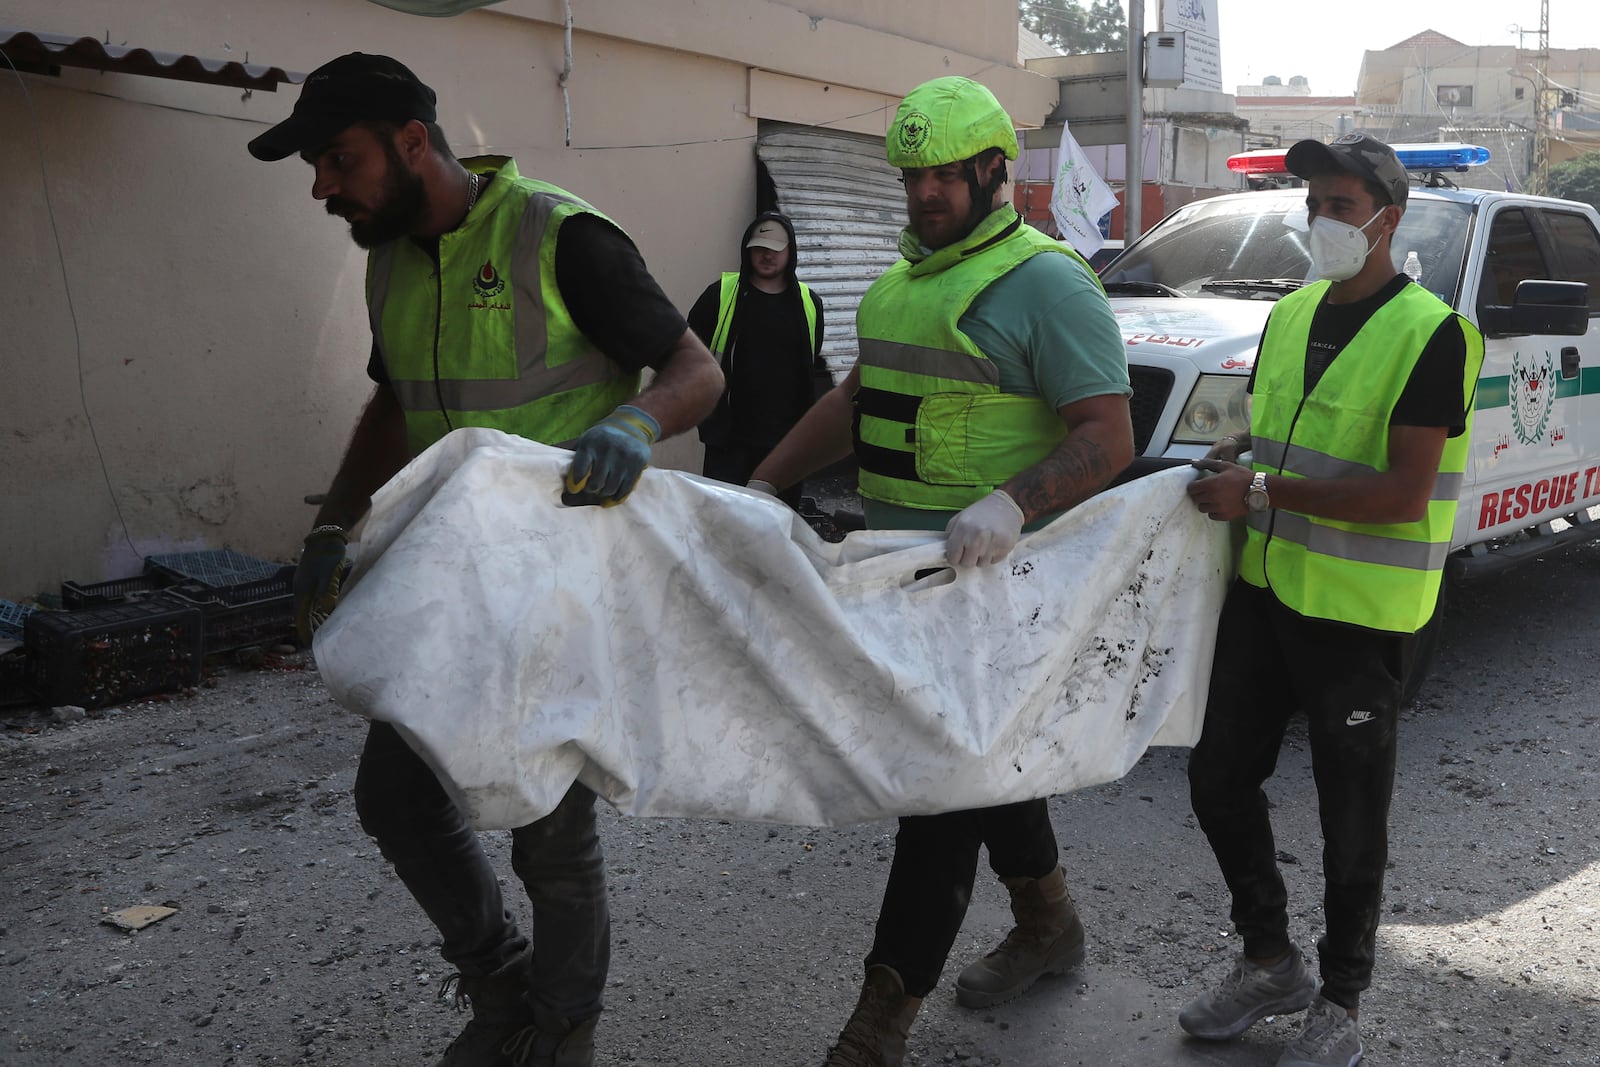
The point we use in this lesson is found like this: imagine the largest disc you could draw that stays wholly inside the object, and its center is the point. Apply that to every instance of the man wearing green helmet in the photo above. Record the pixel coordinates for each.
(991, 395)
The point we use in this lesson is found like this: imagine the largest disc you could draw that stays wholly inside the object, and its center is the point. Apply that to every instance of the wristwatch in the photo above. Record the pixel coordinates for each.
(1256, 498)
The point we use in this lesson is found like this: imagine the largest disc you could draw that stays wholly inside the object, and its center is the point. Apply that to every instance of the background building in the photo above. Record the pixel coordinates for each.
(1431, 88)
(1281, 113)
(1188, 133)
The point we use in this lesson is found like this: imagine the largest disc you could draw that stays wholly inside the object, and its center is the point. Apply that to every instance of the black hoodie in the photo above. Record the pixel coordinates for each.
(773, 370)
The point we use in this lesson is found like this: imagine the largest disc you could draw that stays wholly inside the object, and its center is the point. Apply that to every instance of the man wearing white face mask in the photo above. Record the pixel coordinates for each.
(1361, 400)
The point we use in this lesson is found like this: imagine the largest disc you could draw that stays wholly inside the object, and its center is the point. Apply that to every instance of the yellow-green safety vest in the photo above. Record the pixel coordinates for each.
(728, 297)
(932, 429)
(485, 339)
(1384, 576)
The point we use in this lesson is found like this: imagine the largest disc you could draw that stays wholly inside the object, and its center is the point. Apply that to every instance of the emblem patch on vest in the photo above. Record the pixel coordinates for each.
(488, 282)
(1533, 394)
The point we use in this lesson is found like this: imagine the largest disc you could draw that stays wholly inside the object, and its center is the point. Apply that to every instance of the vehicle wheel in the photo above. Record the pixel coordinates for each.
(1423, 646)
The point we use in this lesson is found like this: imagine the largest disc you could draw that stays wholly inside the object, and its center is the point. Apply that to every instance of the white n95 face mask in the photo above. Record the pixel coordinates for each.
(1338, 249)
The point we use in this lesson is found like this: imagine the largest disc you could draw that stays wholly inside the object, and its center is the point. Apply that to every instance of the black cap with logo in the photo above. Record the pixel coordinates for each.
(1354, 153)
(353, 88)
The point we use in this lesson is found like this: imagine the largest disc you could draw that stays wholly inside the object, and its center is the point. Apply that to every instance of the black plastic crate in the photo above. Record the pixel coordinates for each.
(240, 616)
(109, 654)
(76, 596)
(11, 618)
(16, 688)
(218, 568)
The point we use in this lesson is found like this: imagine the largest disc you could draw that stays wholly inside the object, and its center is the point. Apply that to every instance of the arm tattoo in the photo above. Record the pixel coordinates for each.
(1075, 471)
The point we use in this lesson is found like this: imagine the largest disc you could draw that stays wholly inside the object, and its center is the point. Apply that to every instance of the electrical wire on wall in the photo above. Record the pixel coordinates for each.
(72, 311)
(566, 71)
(1581, 95)
(1515, 183)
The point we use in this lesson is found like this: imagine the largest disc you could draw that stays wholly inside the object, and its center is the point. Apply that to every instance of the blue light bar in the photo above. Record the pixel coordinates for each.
(1422, 157)
(1441, 156)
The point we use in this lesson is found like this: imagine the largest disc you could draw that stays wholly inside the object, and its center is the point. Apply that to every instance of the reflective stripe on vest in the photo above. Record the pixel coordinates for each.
(932, 429)
(726, 299)
(1350, 544)
(485, 339)
(1275, 456)
(1384, 576)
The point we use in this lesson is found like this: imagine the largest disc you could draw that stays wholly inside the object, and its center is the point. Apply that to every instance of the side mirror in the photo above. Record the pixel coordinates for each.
(1541, 306)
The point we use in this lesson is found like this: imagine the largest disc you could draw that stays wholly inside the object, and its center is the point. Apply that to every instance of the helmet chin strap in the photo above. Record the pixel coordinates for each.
(982, 197)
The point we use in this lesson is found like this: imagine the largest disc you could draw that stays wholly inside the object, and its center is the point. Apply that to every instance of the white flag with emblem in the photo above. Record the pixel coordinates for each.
(1080, 198)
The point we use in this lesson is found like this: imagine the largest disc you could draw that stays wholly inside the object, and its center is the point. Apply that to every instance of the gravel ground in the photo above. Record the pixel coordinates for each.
(740, 943)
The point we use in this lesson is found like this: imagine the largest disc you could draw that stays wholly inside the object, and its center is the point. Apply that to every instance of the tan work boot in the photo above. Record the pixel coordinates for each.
(499, 1013)
(1048, 939)
(553, 1042)
(875, 1036)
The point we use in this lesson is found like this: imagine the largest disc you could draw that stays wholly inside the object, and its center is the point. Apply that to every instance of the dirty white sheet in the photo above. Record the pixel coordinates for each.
(699, 651)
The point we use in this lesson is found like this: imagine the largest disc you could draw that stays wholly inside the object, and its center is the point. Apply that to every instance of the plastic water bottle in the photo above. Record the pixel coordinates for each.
(1413, 267)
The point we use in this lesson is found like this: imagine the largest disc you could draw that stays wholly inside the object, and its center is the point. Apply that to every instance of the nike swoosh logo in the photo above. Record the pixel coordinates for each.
(1356, 718)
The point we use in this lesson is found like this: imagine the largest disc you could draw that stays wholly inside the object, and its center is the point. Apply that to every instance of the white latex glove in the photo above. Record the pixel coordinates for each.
(761, 487)
(984, 532)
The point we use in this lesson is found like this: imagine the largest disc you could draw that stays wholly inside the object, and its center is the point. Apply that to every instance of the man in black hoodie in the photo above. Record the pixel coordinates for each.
(765, 326)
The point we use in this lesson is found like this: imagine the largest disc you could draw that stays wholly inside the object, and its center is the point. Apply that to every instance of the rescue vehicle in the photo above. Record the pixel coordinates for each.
(1193, 294)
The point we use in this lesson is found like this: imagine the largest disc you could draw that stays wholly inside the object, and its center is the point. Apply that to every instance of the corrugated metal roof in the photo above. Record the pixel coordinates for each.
(44, 53)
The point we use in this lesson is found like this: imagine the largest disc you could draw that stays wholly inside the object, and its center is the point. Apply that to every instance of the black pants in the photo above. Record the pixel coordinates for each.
(734, 463)
(930, 881)
(1270, 663)
(437, 856)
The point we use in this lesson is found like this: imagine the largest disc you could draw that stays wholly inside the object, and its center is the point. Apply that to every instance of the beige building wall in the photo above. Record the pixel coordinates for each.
(1284, 120)
(1466, 84)
(185, 343)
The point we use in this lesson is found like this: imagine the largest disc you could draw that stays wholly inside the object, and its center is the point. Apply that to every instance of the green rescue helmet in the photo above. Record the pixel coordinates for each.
(948, 120)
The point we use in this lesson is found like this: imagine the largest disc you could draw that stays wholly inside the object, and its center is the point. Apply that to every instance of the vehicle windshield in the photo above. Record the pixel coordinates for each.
(1254, 246)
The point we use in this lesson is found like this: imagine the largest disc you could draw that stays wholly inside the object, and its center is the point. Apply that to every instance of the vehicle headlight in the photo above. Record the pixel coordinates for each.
(1216, 408)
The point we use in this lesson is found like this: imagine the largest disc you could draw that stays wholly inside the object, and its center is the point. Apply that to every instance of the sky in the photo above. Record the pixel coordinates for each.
(1324, 41)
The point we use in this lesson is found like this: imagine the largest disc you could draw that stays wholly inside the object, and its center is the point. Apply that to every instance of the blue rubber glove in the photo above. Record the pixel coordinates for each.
(609, 457)
(317, 578)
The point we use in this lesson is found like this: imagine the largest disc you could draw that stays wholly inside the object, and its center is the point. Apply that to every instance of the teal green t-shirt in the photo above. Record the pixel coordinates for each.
(1050, 332)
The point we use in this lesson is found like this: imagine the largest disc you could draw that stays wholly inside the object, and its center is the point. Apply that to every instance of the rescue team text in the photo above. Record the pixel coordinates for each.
(1530, 498)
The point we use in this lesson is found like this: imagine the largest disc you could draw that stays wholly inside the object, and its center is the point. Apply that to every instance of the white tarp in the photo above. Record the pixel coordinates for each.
(699, 651)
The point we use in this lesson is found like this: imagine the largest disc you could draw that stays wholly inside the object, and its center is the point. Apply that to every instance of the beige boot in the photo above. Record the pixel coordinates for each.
(1048, 939)
(499, 1013)
(553, 1042)
(875, 1036)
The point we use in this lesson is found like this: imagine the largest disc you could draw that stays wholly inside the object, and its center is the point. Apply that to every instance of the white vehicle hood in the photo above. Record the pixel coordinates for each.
(1219, 335)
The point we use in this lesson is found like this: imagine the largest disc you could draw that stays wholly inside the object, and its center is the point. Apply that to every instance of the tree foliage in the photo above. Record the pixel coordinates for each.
(1077, 26)
(1577, 179)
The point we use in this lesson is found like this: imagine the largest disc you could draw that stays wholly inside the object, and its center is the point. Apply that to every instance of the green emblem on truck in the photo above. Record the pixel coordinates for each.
(1533, 394)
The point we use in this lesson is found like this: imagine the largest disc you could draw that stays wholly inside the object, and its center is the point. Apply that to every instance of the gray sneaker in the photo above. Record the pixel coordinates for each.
(1330, 1039)
(1249, 993)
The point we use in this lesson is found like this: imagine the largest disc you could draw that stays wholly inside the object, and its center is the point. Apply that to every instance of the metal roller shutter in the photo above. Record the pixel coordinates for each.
(848, 208)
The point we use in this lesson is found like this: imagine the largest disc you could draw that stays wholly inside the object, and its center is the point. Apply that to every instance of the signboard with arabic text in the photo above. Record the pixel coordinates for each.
(1202, 59)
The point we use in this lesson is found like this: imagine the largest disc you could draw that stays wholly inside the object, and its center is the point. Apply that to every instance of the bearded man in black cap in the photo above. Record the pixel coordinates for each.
(1361, 401)
(498, 301)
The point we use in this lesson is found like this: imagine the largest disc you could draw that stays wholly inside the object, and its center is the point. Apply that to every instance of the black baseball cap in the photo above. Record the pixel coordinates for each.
(353, 88)
(1354, 153)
